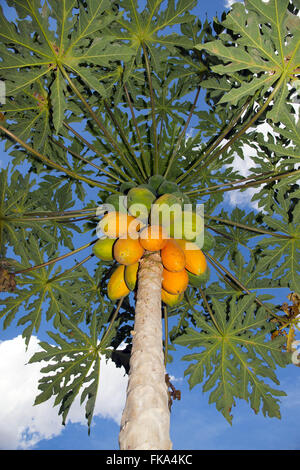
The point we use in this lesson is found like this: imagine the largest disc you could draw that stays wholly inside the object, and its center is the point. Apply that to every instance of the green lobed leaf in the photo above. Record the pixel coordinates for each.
(260, 47)
(237, 358)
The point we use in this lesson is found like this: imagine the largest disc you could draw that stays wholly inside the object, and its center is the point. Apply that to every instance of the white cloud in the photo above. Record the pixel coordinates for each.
(229, 3)
(22, 425)
(243, 199)
(176, 379)
(236, 197)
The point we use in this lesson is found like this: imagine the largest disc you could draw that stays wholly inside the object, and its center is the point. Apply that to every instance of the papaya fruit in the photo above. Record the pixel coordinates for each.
(125, 187)
(164, 210)
(155, 181)
(175, 283)
(188, 225)
(149, 187)
(114, 200)
(127, 250)
(139, 201)
(200, 280)
(172, 256)
(119, 224)
(167, 187)
(170, 299)
(116, 287)
(153, 238)
(183, 197)
(130, 275)
(195, 261)
(103, 248)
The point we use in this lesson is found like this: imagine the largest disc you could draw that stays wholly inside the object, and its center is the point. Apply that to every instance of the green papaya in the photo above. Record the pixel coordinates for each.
(155, 181)
(208, 241)
(184, 198)
(130, 275)
(139, 202)
(115, 201)
(199, 280)
(103, 248)
(167, 187)
(125, 187)
(149, 187)
(187, 225)
(165, 209)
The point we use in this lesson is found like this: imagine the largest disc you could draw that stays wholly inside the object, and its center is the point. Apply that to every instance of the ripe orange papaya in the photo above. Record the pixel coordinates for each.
(175, 283)
(153, 238)
(195, 261)
(130, 275)
(127, 250)
(103, 248)
(171, 299)
(172, 256)
(119, 225)
(116, 287)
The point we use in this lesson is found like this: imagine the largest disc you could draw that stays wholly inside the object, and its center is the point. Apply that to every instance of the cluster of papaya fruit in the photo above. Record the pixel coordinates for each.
(146, 218)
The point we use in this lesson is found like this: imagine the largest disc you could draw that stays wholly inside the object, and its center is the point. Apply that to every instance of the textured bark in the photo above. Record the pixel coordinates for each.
(145, 423)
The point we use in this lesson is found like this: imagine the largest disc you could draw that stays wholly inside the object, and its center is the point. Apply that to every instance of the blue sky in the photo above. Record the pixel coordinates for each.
(194, 423)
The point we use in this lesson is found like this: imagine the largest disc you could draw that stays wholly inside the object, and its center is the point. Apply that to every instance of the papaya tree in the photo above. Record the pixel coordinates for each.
(103, 108)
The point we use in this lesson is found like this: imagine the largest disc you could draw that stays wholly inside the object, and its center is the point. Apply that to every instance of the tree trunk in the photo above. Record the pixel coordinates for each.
(145, 421)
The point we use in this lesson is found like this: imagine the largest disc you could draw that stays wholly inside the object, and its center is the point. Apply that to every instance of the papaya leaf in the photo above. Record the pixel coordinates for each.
(58, 100)
(237, 358)
(261, 48)
(282, 255)
(68, 37)
(73, 367)
(230, 237)
(287, 145)
(39, 294)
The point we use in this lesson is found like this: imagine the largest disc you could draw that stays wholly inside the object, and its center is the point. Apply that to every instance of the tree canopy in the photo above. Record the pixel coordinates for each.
(100, 96)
